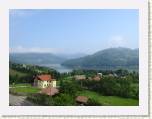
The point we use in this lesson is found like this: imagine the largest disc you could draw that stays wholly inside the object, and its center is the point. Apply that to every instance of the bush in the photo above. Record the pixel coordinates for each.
(114, 86)
(69, 87)
(64, 100)
(41, 99)
(93, 102)
(109, 86)
(58, 100)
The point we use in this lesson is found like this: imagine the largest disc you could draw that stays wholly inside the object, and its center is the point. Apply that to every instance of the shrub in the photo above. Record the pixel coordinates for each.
(64, 100)
(69, 88)
(93, 102)
(58, 100)
(41, 99)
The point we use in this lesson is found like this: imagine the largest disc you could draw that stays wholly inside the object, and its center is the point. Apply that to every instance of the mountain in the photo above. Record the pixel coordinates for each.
(35, 58)
(111, 58)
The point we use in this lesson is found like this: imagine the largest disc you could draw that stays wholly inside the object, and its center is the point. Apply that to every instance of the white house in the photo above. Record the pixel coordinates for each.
(43, 81)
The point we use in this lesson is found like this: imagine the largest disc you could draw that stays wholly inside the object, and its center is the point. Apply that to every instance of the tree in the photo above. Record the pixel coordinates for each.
(70, 87)
(64, 100)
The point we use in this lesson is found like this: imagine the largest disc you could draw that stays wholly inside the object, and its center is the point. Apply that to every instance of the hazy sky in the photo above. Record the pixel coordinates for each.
(72, 31)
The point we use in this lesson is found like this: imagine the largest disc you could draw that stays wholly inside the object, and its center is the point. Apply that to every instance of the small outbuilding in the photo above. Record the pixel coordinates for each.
(96, 78)
(49, 91)
(82, 100)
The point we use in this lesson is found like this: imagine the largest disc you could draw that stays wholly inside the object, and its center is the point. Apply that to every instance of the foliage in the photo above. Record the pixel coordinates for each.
(114, 86)
(109, 100)
(21, 73)
(41, 99)
(93, 102)
(70, 88)
(64, 100)
(58, 100)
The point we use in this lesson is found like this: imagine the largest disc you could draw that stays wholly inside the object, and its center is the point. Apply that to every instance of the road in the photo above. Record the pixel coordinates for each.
(19, 101)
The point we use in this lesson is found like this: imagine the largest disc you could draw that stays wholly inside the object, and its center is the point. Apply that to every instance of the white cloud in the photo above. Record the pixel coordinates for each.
(117, 41)
(20, 49)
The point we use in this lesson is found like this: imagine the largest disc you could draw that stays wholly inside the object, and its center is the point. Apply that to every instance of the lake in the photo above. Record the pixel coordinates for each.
(58, 67)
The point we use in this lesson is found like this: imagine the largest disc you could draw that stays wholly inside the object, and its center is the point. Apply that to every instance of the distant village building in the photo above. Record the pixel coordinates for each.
(23, 65)
(115, 75)
(43, 81)
(100, 74)
(80, 77)
(110, 75)
(81, 100)
(49, 91)
(96, 78)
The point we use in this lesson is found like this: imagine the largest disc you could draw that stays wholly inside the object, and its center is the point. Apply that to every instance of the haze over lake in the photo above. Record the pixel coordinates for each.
(58, 67)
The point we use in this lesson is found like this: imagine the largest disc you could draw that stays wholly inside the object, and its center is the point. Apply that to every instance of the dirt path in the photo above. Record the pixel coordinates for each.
(19, 101)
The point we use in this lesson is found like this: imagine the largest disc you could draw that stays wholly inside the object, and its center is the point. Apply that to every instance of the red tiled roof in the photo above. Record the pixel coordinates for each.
(81, 99)
(50, 91)
(44, 77)
(97, 78)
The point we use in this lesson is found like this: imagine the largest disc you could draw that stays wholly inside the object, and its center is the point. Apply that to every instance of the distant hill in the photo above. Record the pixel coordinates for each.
(111, 58)
(35, 58)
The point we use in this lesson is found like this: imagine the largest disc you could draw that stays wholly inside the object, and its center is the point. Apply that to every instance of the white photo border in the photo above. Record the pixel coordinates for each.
(141, 110)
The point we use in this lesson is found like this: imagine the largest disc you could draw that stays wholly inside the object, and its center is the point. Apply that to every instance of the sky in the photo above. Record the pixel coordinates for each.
(70, 31)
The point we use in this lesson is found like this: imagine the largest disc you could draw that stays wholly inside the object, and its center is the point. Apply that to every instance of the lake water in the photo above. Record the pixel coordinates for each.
(58, 67)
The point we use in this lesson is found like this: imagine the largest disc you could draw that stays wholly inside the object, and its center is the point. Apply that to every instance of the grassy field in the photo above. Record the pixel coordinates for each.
(20, 85)
(23, 89)
(13, 72)
(110, 100)
(26, 89)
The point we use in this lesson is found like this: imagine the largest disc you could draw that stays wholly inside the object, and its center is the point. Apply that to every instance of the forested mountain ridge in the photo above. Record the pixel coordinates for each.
(35, 58)
(110, 58)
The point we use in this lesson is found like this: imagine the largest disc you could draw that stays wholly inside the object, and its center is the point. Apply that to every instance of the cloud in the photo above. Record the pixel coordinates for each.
(117, 41)
(20, 49)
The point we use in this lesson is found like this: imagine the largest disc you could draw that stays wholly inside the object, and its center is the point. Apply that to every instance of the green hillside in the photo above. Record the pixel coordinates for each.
(112, 58)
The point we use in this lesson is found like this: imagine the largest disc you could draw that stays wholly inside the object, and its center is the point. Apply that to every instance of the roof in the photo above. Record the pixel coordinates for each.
(80, 77)
(97, 78)
(49, 91)
(82, 99)
(44, 77)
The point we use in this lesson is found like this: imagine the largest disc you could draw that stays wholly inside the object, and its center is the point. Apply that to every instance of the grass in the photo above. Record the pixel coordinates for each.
(26, 89)
(20, 85)
(110, 100)
(18, 89)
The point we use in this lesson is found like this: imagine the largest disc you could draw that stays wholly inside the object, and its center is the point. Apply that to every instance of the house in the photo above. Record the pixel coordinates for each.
(115, 75)
(79, 77)
(110, 75)
(49, 91)
(96, 78)
(44, 80)
(100, 74)
(81, 100)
